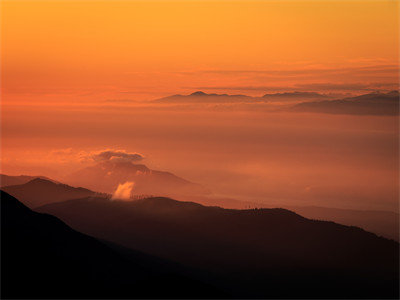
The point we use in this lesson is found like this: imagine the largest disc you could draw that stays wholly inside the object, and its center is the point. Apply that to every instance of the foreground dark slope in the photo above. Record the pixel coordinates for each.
(253, 253)
(38, 192)
(44, 258)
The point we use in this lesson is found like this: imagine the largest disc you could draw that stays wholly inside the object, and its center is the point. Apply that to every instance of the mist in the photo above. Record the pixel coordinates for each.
(273, 158)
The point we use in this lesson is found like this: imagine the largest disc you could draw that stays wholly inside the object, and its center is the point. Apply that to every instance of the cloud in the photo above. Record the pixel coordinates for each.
(315, 69)
(347, 86)
(305, 87)
(64, 151)
(116, 156)
(70, 155)
(358, 78)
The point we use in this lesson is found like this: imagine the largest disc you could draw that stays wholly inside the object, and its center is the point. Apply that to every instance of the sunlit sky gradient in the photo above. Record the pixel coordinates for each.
(63, 51)
(84, 67)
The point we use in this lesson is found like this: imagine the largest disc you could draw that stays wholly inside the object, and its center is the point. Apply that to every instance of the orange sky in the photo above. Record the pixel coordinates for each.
(63, 52)
(58, 51)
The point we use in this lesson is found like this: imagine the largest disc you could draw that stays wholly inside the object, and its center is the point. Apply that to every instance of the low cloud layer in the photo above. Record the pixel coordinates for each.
(74, 158)
(322, 87)
(117, 155)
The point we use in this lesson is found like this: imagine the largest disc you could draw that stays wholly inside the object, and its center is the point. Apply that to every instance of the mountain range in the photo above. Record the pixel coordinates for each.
(201, 97)
(40, 191)
(214, 252)
(382, 223)
(43, 258)
(105, 176)
(6, 180)
(368, 104)
(124, 249)
(252, 253)
(375, 103)
(43, 191)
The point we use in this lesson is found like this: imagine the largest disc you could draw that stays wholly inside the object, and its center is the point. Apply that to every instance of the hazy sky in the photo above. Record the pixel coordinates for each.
(61, 61)
(63, 51)
(348, 161)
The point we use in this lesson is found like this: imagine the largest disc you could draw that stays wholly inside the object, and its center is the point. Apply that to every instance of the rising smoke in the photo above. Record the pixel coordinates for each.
(123, 191)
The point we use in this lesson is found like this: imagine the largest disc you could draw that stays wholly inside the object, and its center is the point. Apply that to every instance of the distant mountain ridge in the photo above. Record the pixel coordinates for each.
(40, 191)
(6, 180)
(202, 97)
(368, 104)
(382, 223)
(375, 103)
(105, 177)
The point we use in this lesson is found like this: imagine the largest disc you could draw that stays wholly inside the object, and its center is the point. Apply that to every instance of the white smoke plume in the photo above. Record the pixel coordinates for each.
(123, 191)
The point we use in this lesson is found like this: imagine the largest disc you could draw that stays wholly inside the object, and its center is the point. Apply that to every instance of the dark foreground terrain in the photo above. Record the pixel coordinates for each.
(44, 258)
(258, 253)
(162, 248)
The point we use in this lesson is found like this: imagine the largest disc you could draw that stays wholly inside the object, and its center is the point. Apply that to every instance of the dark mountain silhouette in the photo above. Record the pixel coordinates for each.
(6, 180)
(39, 191)
(251, 253)
(201, 97)
(44, 258)
(368, 104)
(382, 223)
(107, 175)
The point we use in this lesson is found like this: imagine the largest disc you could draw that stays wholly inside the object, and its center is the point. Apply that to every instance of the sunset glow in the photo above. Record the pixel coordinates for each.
(82, 76)
(75, 51)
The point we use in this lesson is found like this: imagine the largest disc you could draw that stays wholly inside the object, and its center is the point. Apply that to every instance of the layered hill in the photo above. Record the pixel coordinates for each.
(382, 223)
(376, 103)
(40, 191)
(368, 104)
(201, 97)
(6, 180)
(44, 258)
(253, 253)
(105, 176)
